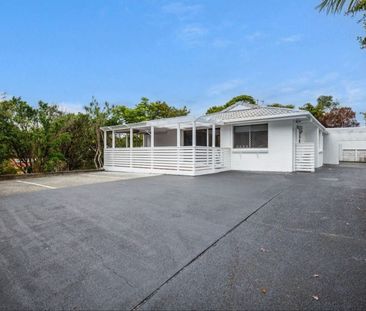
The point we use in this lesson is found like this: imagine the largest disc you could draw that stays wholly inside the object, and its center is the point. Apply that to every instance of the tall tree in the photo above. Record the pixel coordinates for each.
(350, 7)
(340, 117)
(330, 113)
(146, 110)
(45, 156)
(74, 141)
(324, 104)
(99, 116)
(241, 98)
(17, 123)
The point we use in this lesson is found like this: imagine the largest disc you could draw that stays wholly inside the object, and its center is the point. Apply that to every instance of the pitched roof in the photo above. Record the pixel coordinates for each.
(248, 113)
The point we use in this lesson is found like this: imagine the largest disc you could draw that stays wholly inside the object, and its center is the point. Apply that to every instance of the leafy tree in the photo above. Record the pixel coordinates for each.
(98, 116)
(340, 117)
(45, 156)
(45, 139)
(17, 123)
(277, 105)
(330, 114)
(351, 7)
(146, 110)
(324, 103)
(74, 140)
(241, 98)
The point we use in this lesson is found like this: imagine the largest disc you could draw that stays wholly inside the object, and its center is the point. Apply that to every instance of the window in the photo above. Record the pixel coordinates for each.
(109, 139)
(201, 137)
(121, 140)
(251, 136)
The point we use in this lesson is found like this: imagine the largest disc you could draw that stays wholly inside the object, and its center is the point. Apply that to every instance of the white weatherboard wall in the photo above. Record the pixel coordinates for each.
(342, 138)
(278, 157)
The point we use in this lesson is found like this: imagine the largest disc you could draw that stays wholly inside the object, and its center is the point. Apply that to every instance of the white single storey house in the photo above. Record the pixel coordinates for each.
(243, 137)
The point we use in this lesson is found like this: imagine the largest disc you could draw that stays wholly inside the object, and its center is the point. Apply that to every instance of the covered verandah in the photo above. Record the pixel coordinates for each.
(182, 146)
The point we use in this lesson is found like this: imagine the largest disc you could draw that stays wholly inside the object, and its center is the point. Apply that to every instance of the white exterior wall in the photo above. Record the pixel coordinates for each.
(342, 138)
(278, 157)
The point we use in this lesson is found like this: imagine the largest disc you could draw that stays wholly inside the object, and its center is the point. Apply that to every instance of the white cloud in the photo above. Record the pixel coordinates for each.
(71, 107)
(181, 10)
(224, 87)
(254, 36)
(290, 39)
(192, 34)
(221, 43)
(308, 86)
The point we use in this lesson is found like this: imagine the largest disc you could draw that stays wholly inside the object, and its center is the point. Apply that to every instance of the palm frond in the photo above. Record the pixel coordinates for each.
(336, 6)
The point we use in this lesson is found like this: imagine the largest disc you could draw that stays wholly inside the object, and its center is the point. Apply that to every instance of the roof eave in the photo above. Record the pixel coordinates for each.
(269, 118)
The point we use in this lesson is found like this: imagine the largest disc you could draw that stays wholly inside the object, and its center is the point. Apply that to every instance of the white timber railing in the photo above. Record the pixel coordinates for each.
(169, 160)
(305, 157)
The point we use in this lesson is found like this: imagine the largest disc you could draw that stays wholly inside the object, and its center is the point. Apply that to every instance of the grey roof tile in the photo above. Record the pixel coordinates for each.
(253, 113)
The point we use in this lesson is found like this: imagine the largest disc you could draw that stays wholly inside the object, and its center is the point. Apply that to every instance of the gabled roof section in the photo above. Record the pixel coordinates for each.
(255, 112)
(248, 112)
(242, 105)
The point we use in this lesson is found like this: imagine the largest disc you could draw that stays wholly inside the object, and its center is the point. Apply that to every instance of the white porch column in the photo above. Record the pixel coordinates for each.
(193, 134)
(213, 145)
(178, 146)
(207, 145)
(131, 137)
(105, 139)
(194, 146)
(152, 145)
(152, 138)
(131, 145)
(113, 139)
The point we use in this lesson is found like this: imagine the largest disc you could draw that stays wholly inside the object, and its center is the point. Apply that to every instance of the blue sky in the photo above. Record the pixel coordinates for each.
(194, 53)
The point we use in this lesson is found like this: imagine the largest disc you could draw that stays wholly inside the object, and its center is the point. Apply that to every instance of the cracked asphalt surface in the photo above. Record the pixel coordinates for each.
(232, 240)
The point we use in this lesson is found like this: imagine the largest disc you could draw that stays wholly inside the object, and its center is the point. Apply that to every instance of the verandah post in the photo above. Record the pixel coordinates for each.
(152, 145)
(207, 145)
(105, 139)
(213, 145)
(178, 146)
(113, 139)
(194, 145)
(131, 145)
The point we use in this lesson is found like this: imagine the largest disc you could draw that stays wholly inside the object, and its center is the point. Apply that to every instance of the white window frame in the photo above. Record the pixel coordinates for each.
(249, 149)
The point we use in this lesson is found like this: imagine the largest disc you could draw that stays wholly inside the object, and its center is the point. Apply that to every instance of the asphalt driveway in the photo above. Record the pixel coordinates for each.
(226, 241)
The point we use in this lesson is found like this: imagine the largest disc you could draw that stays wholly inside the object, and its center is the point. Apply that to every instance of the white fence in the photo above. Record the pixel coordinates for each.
(353, 155)
(305, 157)
(168, 160)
